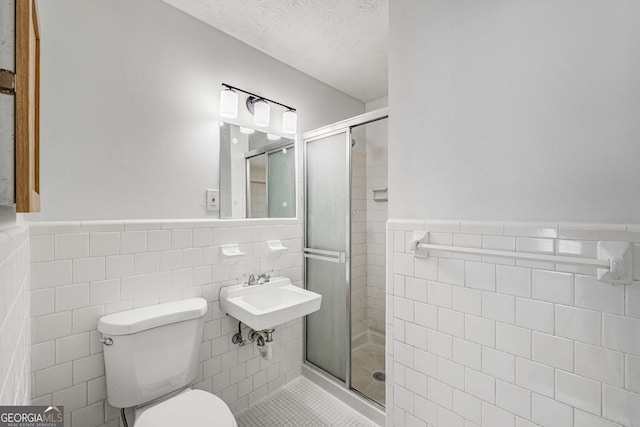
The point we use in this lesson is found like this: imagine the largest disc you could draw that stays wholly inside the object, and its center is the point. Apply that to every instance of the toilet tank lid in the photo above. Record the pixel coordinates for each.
(140, 319)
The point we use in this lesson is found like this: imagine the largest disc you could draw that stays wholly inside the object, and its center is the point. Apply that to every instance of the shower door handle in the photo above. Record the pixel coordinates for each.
(331, 256)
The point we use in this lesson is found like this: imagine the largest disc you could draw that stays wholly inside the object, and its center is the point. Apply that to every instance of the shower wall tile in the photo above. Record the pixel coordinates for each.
(85, 270)
(540, 344)
(15, 312)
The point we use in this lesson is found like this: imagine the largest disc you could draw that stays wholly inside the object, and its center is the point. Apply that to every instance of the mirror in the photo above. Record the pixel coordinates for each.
(257, 174)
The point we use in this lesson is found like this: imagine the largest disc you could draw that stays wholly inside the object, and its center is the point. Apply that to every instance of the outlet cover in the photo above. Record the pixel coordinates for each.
(213, 200)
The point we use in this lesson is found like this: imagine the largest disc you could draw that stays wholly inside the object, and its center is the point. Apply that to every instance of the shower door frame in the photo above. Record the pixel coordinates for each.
(323, 132)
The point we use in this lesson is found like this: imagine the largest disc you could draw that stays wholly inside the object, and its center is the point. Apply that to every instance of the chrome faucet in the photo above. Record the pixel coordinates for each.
(266, 276)
(252, 280)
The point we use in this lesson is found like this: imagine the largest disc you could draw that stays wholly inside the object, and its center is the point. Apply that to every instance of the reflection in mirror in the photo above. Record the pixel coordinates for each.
(257, 174)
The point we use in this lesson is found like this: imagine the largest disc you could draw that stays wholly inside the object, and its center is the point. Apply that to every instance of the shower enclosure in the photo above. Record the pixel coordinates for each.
(344, 247)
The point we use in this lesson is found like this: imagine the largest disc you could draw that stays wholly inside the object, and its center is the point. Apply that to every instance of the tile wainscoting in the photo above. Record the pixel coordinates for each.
(15, 319)
(83, 270)
(493, 342)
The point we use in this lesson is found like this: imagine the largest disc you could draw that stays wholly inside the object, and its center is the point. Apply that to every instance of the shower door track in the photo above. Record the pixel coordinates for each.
(333, 129)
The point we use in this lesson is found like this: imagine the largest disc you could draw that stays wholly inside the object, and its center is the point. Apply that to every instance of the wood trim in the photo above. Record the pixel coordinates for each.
(27, 115)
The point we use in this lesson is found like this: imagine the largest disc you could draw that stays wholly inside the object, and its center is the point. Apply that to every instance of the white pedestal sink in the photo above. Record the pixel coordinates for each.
(268, 305)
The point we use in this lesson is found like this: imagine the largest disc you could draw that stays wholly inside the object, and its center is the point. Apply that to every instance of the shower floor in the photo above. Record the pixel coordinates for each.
(301, 403)
(366, 360)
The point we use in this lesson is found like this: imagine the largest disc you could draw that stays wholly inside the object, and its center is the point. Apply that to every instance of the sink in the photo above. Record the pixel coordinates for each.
(268, 305)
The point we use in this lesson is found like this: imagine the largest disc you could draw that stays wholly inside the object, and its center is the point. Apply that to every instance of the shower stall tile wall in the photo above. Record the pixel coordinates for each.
(83, 270)
(15, 320)
(483, 341)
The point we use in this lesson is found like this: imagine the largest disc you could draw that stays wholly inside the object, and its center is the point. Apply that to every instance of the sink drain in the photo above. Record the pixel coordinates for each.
(379, 376)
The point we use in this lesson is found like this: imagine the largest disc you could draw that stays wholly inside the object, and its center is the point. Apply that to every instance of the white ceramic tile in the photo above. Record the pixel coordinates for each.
(480, 385)
(147, 262)
(159, 240)
(498, 307)
(467, 353)
(403, 308)
(599, 363)
(73, 397)
(513, 280)
(500, 243)
(88, 269)
(451, 373)
(513, 339)
(548, 412)
(72, 347)
(416, 383)
(621, 333)
(467, 406)
(536, 315)
(101, 244)
(479, 330)
(578, 392)
(553, 286)
(72, 296)
(448, 418)
(440, 393)
(467, 300)
(69, 246)
(632, 373)
(583, 419)
(615, 232)
(42, 302)
(403, 264)
(86, 319)
(535, 377)
(104, 291)
(182, 238)
(493, 416)
(415, 335)
(52, 326)
(632, 299)
(119, 266)
(596, 295)
(425, 362)
(467, 241)
(133, 287)
(531, 229)
(41, 248)
(451, 322)
(620, 405)
(52, 379)
(403, 353)
(43, 355)
(439, 294)
(498, 364)
(133, 242)
(578, 324)
(552, 351)
(440, 344)
(426, 315)
(426, 268)
(480, 276)
(451, 271)
(416, 289)
(53, 273)
(514, 399)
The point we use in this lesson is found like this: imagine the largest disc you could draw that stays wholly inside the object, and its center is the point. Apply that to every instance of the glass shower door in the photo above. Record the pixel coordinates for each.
(326, 250)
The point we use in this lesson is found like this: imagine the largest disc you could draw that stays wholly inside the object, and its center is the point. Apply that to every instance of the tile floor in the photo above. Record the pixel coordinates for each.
(366, 360)
(301, 403)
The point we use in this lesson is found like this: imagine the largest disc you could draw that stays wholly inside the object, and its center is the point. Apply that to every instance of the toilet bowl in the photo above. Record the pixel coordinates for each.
(151, 355)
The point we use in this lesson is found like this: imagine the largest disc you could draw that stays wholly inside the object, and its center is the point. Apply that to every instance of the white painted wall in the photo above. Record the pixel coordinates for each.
(515, 110)
(130, 107)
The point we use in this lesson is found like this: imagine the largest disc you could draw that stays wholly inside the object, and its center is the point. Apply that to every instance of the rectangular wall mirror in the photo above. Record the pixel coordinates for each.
(257, 174)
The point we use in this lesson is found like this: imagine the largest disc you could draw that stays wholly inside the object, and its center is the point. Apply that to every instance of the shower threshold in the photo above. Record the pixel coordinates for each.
(352, 398)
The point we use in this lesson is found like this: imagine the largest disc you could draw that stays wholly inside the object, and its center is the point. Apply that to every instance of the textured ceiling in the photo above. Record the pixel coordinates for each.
(340, 42)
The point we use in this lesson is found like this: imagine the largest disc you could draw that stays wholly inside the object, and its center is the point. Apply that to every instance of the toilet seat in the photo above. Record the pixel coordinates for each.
(193, 408)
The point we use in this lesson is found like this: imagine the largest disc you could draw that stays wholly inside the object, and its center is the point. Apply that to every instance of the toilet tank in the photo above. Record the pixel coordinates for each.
(151, 351)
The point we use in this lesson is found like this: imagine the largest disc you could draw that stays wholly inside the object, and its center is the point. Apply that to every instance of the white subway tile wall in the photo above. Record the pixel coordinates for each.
(501, 343)
(83, 270)
(15, 317)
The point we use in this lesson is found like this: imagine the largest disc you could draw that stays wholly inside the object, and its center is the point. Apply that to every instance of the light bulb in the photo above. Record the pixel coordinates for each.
(261, 113)
(289, 121)
(229, 104)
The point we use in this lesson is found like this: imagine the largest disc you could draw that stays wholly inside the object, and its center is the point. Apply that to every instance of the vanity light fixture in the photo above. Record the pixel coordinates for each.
(272, 137)
(257, 105)
(229, 103)
(246, 131)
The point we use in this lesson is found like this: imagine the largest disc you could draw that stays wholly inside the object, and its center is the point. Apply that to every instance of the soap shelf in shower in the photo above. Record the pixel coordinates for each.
(381, 195)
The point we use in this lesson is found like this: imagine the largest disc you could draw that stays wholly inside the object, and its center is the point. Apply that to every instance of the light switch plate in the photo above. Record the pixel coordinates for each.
(213, 200)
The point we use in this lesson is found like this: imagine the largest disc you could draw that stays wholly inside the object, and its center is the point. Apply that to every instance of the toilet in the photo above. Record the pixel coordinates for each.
(151, 355)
